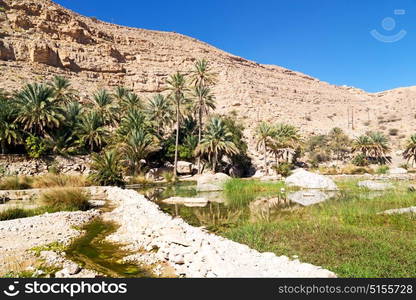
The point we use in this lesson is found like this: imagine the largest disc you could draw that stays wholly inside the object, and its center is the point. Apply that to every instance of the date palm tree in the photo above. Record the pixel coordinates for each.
(107, 169)
(104, 104)
(264, 135)
(131, 101)
(159, 111)
(204, 101)
(410, 152)
(217, 141)
(62, 90)
(91, 131)
(373, 145)
(133, 120)
(9, 131)
(176, 85)
(138, 145)
(37, 110)
(285, 139)
(202, 74)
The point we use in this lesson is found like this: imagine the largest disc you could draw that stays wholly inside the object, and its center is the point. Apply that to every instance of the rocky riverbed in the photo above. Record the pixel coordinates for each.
(191, 251)
(168, 245)
(19, 236)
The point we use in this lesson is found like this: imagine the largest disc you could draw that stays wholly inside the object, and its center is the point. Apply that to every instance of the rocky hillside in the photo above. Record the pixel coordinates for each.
(39, 39)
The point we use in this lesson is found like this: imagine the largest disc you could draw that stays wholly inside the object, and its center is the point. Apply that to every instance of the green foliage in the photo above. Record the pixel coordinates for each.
(37, 109)
(36, 147)
(410, 152)
(15, 213)
(107, 170)
(217, 141)
(374, 146)
(284, 169)
(383, 169)
(360, 160)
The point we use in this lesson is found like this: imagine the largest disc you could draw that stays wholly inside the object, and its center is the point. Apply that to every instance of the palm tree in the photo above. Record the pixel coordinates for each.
(217, 141)
(339, 142)
(120, 92)
(104, 104)
(137, 147)
(62, 91)
(106, 169)
(134, 120)
(131, 101)
(202, 75)
(410, 153)
(285, 139)
(37, 110)
(176, 84)
(91, 131)
(159, 111)
(204, 101)
(73, 113)
(373, 145)
(9, 131)
(264, 133)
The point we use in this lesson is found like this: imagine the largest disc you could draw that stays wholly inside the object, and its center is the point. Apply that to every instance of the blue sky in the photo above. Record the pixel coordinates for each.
(327, 39)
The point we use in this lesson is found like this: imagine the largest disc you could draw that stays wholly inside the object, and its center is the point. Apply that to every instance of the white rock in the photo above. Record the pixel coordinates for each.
(212, 182)
(309, 197)
(397, 171)
(307, 180)
(375, 186)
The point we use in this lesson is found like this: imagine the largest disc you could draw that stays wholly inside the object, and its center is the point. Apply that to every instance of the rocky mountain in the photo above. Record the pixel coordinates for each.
(39, 39)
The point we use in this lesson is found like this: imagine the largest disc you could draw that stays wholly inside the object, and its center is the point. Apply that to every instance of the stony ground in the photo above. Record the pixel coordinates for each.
(20, 235)
(168, 244)
(191, 251)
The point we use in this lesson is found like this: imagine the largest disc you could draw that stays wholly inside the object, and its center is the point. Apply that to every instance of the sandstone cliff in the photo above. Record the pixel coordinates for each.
(39, 39)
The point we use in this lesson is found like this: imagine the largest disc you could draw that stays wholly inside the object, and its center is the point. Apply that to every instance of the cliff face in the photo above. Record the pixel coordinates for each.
(39, 39)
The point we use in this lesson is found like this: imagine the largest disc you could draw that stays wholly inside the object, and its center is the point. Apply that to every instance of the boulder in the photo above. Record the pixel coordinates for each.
(311, 197)
(200, 202)
(307, 180)
(212, 182)
(375, 186)
(411, 210)
(397, 171)
(185, 167)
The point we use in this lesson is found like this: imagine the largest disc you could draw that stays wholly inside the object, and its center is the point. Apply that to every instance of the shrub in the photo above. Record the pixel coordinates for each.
(354, 170)
(15, 183)
(69, 199)
(382, 169)
(284, 169)
(140, 180)
(169, 177)
(53, 180)
(35, 146)
(360, 160)
(14, 213)
(107, 169)
(333, 170)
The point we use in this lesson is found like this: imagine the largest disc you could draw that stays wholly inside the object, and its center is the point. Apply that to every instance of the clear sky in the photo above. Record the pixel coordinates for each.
(327, 39)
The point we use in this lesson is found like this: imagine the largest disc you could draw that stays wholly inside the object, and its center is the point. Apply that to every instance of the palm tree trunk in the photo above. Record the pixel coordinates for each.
(3, 147)
(214, 162)
(199, 137)
(265, 158)
(175, 168)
